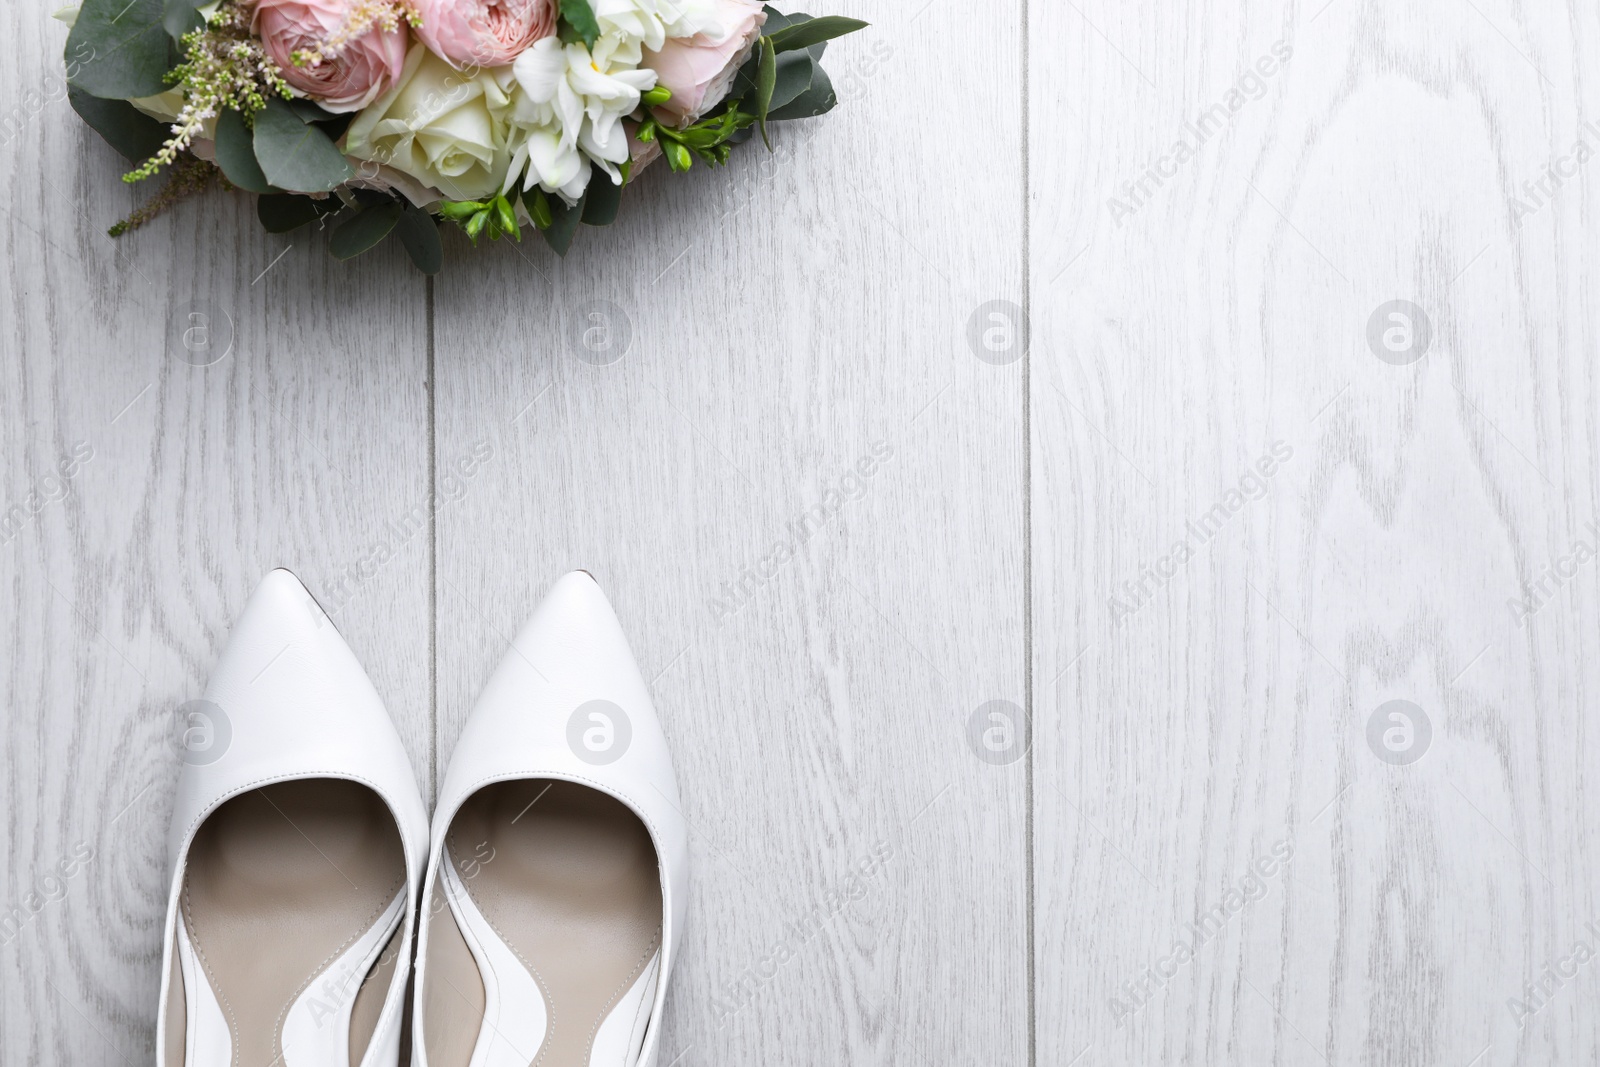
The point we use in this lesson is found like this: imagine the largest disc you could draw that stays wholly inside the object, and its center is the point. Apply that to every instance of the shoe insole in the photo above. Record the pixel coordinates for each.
(281, 884)
(567, 878)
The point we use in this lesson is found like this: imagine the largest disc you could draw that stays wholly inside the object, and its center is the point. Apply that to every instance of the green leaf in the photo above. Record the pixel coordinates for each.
(819, 99)
(181, 17)
(796, 71)
(777, 20)
(283, 212)
(332, 125)
(564, 219)
(127, 129)
(579, 23)
(118, 50)
(364, 230)
(297, 156)
(419, 235)
(766, 82)
(236, 154)
(814, 31)
(309, 110)
(602, 199)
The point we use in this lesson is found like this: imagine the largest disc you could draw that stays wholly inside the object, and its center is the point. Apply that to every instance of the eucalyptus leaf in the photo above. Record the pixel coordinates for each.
(236, 154)
(601, 201)
(819, 99)
(744, 84)
(127, 129)
(814, 31)
(766, 82)
(297, 156)
(796, 71)
(579, 23)
(283, 212)
(777, 20)
(332, 125)
(118, 49)
(364, 230)
(308, 110)
(181, 17)
(419, 235)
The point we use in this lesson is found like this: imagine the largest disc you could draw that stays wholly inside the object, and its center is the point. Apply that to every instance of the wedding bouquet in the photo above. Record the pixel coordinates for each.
(384, 118)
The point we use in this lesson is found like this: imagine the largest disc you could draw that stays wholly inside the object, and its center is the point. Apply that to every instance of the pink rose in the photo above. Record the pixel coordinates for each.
(484, 33)
(363, 70)
(700, 69)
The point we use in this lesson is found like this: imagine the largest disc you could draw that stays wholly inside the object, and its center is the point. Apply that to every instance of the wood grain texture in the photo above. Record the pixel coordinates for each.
(1204, 691)
(858, 890)
(1237, 531)
(188, 483)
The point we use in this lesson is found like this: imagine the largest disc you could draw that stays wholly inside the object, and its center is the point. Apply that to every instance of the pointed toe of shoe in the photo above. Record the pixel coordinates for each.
(283, 646)
(567, 697)
(574, 635)
(288, 699)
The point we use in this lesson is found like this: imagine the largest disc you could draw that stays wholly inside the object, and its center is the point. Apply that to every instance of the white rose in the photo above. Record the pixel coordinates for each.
(444, 128)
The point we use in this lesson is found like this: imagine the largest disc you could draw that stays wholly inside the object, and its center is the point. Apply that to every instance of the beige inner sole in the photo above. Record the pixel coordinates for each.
(279, 882)
(571, 885)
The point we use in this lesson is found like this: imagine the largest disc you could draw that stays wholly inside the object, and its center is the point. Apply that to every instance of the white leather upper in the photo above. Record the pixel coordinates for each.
(571, 653)
(296, 704)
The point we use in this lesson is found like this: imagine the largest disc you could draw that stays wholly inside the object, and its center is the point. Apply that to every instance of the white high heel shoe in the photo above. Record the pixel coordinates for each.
(298, 841)
(558, 877)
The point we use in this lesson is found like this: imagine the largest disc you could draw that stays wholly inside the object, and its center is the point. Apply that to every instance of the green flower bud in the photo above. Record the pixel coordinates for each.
(506, 217)
(456, 210)
(658, 96)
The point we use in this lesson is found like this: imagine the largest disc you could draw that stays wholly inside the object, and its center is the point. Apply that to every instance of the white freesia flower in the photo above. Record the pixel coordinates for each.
(569, 100)
(569, 106)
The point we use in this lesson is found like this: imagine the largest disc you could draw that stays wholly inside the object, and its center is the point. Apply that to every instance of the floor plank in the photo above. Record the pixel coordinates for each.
(306, 431)
(1253, 528)
(797, 341)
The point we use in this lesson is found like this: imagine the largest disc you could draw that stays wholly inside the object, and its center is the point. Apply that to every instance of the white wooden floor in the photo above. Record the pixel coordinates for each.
(1200, 525)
